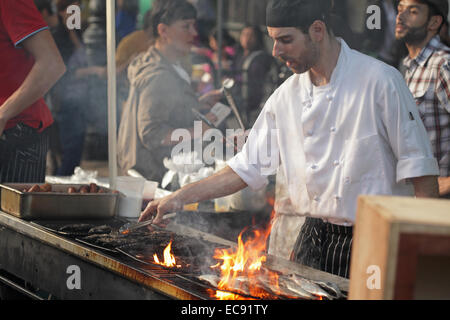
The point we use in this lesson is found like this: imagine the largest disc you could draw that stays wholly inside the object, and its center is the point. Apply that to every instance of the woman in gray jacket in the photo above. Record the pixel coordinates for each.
(161, 98)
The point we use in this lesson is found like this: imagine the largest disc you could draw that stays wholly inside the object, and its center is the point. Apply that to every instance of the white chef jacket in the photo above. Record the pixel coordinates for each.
(359, 134)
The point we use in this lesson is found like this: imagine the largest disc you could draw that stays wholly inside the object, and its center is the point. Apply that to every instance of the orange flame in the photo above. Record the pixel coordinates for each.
(169, 258)
(245, 262)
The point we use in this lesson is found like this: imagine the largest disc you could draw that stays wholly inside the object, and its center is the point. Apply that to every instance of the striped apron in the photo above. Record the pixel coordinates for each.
(324, 246)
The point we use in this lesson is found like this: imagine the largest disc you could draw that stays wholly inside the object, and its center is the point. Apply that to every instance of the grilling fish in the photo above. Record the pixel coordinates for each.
(212, 279)
(289, 288)
(72, 228)
(332, 288)
(310, 286)
(100, 230)
(239, 285)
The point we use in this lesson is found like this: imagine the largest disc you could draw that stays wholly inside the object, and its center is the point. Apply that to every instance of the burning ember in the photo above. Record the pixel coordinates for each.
(243, 276)
(241, 269)
(169, 258)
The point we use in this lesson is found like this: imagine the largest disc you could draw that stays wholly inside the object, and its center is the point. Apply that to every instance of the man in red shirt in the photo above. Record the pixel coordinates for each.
(31, 64)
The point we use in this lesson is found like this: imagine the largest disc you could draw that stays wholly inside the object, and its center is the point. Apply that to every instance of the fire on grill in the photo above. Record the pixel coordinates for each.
(243, 274)
(169, 258)
(239, 273)
(229, 273)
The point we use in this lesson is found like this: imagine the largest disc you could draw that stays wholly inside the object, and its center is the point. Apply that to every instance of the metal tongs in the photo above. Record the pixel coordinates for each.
(131, 226)
(227, 85)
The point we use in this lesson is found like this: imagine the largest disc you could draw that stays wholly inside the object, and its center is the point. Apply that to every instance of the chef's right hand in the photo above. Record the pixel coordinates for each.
(158, 208)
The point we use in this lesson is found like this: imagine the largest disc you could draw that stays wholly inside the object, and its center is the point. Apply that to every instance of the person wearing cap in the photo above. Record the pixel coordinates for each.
(344, 124)
(428, 74)
(161, 98)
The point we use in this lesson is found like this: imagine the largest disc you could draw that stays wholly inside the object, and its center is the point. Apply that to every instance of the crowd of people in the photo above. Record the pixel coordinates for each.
(247, 61)
(345, 123)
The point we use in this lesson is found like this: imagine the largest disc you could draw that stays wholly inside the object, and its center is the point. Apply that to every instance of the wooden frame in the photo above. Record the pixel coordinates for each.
(393, 236)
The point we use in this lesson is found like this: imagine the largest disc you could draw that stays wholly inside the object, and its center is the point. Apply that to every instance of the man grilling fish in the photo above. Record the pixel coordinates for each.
(344, 124)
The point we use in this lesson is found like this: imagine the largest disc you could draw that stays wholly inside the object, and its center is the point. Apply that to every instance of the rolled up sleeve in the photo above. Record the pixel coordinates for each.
(406, 133)
(260, 156)
(248, 173)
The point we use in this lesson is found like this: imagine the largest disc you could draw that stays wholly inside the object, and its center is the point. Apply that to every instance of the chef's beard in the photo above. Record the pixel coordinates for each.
(304, 62)
(415, 35)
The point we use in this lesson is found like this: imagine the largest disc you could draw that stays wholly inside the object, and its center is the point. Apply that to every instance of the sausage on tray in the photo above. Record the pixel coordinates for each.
(84, 189)
(34, 188)
(93, 188)
(46, 187)
(72, 190)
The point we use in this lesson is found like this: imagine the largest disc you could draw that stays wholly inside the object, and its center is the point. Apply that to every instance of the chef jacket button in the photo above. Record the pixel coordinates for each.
(347, 180)
(310, 132)
(337, 198)
(329, 97)
(336, 162)
(316, 198)
(332, 129)
(314, 167)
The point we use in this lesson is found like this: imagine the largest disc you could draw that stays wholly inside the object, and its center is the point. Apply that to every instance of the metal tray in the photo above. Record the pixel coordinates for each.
(56, 205)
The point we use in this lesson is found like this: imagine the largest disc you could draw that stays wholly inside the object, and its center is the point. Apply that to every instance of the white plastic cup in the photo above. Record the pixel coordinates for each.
(149, 192)
(149, 189)
(130, 204)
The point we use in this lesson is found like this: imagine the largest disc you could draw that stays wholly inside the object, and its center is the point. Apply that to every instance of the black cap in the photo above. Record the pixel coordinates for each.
(296, 13)
(441, 6)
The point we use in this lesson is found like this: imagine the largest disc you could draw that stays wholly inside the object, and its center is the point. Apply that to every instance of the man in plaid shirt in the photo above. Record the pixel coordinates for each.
(428, 74)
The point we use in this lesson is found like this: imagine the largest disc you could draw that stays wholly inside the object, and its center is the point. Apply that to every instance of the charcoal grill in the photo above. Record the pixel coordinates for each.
(35, 252)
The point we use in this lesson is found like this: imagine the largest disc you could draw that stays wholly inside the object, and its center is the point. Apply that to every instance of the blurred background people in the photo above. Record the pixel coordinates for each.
(46, 8)
(129, 48)
(251, 66)
(381, 43)
(126, 17)
(427, 67)
(68, 97)
(211, 56)
(161, 98)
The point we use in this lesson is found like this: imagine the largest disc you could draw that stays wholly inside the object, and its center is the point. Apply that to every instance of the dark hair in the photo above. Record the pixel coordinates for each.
(147, 20)
(227, 39)
(42, 5)
(131, 6)
(259, 36)
(61, 5)
(299, 14)
(434, 11)
(169, 11)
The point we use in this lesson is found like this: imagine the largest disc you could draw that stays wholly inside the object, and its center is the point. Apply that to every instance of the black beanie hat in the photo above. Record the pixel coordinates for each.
(296, 13)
